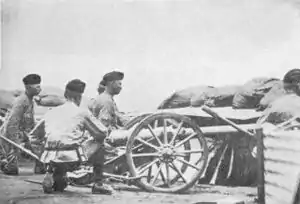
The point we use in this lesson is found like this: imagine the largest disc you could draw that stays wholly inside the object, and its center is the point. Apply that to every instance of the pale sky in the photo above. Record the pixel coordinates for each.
(160, 45)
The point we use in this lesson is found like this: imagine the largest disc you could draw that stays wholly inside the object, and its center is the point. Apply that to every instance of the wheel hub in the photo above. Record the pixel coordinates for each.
(167, 153)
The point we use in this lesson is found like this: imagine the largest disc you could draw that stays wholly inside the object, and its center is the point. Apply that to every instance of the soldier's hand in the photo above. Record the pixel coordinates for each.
(37, 100)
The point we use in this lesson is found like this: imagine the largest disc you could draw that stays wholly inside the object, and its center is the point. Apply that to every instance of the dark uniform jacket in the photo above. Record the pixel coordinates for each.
(105, 109)
(20, 119)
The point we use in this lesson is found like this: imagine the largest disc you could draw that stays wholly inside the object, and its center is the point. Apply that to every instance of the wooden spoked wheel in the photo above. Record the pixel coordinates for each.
(169, 151)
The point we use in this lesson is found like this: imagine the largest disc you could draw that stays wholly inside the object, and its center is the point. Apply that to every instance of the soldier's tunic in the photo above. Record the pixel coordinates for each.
(65, 129)
(19, 122)
(105, 109)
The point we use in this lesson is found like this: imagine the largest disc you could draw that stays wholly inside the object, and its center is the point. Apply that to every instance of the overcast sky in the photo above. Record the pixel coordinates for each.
(161, 45)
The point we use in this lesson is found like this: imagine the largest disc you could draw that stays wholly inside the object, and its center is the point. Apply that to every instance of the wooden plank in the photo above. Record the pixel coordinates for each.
(291, 135)
(282, 182)
(277, 168)
(282, 141)
(227, 112)
(284, 157)
(261, 167)
(275, 195)
(274, 200)
(211, 130)
(282, 166)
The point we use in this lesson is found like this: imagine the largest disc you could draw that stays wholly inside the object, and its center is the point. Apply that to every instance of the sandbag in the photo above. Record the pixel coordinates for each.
(50, 90)
(51, 100)
(281, 109)
(17, 92)
(250, 94)
(276, 91)
(7, 98)
(183, 97)
(215, 97)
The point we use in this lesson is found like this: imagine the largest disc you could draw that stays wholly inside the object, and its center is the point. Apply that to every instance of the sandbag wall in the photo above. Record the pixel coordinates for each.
(182, 98)
(230, 159)
(256, 93)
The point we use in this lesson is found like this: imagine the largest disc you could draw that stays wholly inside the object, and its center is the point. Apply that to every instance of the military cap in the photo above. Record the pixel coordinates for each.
(102, 83)
(292, 76)
(112, 76)
(101, 87)
(76, 85)
(31, 79)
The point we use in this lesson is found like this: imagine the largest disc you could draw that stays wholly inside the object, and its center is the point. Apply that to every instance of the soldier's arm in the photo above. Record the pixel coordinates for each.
(95, 127)
(123, 119)
(14, 122)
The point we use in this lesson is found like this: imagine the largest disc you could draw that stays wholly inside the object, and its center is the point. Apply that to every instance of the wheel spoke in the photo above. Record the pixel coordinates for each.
(178, 153)
(147, 143)
(133, 148)
(147, 166)
(185, 140)
(179, 172)
(145, 155)
(187, 163)
(157, 173)
(140, 145)
(177, 133)
(161, 173)
(149, 174)
(167, 174)
(155, 124)
(165, 132)
(154, 135)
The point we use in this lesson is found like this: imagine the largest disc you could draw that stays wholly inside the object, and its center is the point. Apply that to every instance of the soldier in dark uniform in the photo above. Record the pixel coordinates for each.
(18, 124)
(104, 107)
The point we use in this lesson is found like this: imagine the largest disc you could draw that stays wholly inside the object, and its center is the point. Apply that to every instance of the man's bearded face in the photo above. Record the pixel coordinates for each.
(116, 86)
(34, 89)
(292, 87)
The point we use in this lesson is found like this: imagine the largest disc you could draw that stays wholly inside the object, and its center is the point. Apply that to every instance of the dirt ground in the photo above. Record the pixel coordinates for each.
(15, 190)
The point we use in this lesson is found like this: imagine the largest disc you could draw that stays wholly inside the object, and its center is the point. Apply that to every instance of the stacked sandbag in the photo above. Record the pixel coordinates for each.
(50, 100)
(281, 109)
(183, 97)
(215, 97)
(276, 92)
(250, 94)
(51, 97)
(7, 98)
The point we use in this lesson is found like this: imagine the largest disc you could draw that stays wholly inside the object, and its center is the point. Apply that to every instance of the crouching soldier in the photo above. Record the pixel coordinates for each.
(18, 124)
(67, 145)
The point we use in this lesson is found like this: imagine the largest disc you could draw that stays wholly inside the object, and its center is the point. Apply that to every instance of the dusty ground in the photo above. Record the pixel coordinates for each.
(14, 190)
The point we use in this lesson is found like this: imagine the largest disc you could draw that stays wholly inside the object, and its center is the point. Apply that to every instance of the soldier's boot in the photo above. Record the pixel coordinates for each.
(48, 180)
(60, 179)
(99, 187)
(55, 179)
(48, 183)
(39, 168)
(9, 166)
